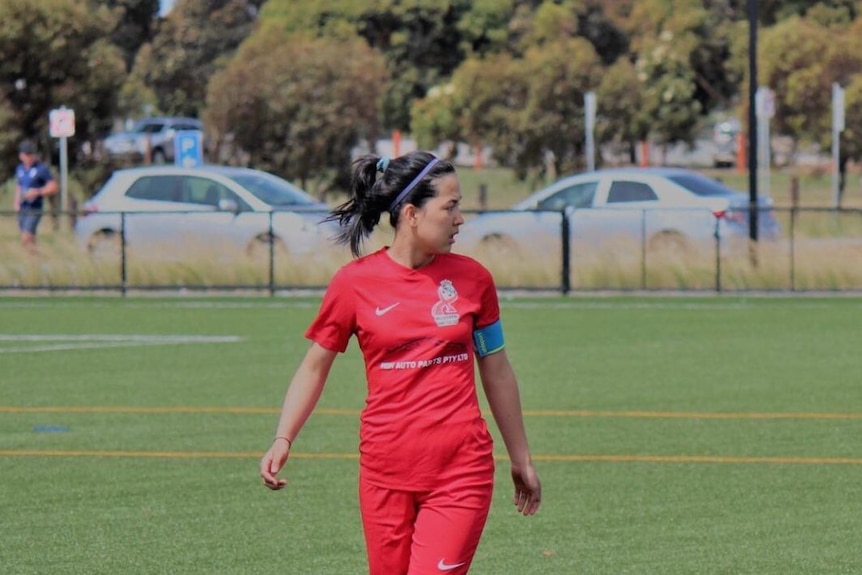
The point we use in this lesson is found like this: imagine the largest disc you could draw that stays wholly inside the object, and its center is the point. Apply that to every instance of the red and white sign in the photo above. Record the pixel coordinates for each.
(62, 121)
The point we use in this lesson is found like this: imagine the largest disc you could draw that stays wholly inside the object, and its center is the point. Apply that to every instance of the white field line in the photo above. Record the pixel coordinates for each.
(62, 342)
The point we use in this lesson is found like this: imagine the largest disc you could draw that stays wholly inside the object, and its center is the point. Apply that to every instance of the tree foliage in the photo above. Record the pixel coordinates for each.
(53, 53)
(622, 120)
(800, 59)
(530, 109)
(423, 42)
(195, 39)
(298, 107)
(135, 23)
(509, 73)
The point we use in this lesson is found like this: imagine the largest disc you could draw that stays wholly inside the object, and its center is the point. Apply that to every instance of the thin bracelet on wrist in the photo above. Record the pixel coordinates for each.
(289, 442)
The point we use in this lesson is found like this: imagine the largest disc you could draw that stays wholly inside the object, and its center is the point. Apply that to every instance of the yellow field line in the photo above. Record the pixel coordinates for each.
(528, 412)
(545, 458)
(691, 414)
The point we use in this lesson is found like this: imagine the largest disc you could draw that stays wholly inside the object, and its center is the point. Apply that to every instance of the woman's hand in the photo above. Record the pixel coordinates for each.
(272, 462)
(528, 489)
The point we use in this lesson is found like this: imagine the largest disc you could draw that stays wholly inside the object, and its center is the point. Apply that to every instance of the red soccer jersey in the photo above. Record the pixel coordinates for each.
(421, 425)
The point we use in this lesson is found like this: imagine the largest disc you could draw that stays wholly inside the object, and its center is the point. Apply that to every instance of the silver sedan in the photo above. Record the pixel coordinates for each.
(165, 210)
(650, 206)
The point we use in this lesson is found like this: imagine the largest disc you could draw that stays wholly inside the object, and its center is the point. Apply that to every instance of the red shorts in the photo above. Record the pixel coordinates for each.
(423, 533)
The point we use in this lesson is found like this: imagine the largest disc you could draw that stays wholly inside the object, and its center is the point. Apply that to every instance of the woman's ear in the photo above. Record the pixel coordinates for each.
(410, 214)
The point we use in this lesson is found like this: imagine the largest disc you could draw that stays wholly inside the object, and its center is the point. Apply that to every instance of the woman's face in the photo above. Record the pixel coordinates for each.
(438, 220)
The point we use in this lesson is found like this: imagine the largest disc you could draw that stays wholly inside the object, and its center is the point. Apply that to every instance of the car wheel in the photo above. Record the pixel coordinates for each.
(259, 247)
(105, 243)
(670, 243)
(499, 245)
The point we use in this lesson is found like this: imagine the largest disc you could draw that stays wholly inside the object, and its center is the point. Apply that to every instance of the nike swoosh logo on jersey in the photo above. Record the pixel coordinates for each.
(443, 566)
(380, 311)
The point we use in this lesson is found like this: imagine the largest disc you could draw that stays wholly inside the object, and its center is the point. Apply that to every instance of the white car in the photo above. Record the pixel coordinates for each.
(659, 206)
(167, 209)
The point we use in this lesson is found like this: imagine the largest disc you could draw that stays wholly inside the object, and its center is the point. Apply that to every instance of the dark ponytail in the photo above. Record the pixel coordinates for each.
(371, 196)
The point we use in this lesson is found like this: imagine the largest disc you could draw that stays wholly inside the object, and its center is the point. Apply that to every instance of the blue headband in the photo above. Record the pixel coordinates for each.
(400, 197)
(382, 164)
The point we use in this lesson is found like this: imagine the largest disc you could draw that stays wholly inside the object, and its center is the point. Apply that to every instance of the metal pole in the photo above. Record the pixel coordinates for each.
(64, 179)
(837, 127)
(565, 229)
(271, 256)
(590, 125)
(752, 119)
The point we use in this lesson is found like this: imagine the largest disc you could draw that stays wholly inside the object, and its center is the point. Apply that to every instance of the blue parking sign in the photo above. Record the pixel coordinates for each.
(188, 148)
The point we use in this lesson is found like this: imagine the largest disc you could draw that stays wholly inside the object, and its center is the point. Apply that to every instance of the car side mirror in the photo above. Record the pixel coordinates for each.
(225, 205)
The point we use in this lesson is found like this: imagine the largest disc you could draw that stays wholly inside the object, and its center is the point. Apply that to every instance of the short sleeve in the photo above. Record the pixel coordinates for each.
(45, 174)
(336, 319)
(489, 312)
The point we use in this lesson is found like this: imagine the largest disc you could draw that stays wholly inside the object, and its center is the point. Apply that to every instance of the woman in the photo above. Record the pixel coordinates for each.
(421, 315)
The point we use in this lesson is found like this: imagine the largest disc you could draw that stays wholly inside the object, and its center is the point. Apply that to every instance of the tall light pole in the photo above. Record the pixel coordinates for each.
(752, 120)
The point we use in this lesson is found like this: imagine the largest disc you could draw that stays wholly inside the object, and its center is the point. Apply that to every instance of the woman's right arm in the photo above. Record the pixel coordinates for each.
(299, 401)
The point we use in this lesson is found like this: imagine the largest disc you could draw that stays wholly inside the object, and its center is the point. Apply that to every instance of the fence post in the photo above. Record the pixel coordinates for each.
(794, 192)
(565, 227)
(124, 277)
(643, 249)
(483, 197)
(793, 211)
(717, 255)
(271, 257)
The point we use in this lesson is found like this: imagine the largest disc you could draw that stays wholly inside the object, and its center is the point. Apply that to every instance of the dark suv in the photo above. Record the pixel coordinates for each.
(154, 135)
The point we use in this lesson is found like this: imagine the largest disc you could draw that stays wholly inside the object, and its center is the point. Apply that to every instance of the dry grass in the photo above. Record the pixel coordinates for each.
(809, 264)
(823, 256)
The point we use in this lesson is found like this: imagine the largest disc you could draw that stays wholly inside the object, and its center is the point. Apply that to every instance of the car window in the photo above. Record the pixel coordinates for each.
(204, 191)
(272, 190)
(150, 127)
(701, 185)
(576, 196)
(179, 127)
(156, 188)
(624, 191)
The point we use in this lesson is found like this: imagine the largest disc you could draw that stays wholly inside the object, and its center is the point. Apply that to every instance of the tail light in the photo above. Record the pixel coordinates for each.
(731, 216)
(89, 208)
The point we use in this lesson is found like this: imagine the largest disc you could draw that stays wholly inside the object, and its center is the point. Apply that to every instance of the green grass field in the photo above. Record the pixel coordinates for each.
(673, 436)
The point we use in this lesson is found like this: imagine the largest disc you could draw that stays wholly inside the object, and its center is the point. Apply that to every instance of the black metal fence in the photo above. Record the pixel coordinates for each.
(815, 249)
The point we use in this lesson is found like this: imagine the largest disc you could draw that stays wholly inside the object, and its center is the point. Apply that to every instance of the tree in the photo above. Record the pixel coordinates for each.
(826, 11)
(530, 109)
(195, 39)
(298, 107)
(56, 54)
(621, 119)
(478, 105)
(423, 41)
(552, 123)
(700, 43)
(792, 64)
(135, 22)
(851, 137)
(668, 90)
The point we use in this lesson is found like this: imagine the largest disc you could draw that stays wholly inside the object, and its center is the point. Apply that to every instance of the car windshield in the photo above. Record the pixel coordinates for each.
(701, 185)
(148, 127)
(272, 190)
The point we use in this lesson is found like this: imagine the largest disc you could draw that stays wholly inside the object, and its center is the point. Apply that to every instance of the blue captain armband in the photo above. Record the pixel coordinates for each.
(489, 339)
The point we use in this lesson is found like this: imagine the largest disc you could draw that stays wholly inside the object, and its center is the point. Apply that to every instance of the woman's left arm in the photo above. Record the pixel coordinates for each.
(501, 389)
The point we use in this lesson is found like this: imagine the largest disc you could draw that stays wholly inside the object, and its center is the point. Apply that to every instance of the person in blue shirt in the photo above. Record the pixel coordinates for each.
(33, 183)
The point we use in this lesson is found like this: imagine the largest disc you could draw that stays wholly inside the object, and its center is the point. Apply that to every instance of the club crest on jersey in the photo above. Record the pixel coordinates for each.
(443, 311)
